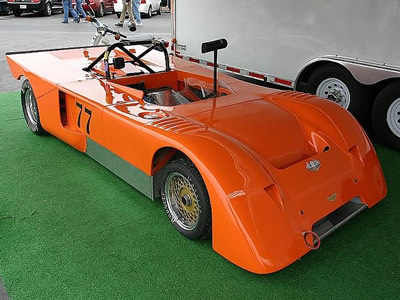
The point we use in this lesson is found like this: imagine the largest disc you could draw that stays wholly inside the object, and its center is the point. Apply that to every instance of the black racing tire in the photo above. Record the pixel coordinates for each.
(386, 115)
(338, 85)
(47, 9)
(30, 109)
(17, 13)
(189, 210)
(100, 12)
(150, 12)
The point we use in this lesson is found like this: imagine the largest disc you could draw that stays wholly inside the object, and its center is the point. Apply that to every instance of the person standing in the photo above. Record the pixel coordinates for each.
(136, 12)
(127, 5)
(79, 9)
(67, 6)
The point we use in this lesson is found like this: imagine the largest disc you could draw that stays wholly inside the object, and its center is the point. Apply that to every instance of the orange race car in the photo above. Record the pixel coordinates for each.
(269, 173)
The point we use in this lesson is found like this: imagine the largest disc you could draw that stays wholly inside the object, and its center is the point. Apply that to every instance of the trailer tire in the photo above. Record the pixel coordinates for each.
(386, 115)
(338, 85)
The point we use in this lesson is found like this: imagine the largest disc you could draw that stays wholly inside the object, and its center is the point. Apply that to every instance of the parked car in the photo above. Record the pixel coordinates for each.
(4, 9)
(266, 173)
(147, 7)
(99, 7)
(46, 7)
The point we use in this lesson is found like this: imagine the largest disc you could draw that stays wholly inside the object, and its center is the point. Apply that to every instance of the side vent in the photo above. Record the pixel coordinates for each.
(319, 144)
(273, 192)
(296, 95)
(175, 124)
(355, 151)
(63, 109)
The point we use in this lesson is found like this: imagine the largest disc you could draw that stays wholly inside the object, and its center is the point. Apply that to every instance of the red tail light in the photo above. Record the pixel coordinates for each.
(35, 1)
(11, 0)
(143, 1)
(115, 1)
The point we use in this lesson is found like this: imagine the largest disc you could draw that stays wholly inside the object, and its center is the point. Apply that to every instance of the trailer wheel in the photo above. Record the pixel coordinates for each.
(30, 109)
(338, 85)
(386, 115)
(186, 199)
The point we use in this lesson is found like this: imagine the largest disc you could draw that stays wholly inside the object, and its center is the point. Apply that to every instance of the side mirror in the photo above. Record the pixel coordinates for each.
(214, 46)
(119, 62)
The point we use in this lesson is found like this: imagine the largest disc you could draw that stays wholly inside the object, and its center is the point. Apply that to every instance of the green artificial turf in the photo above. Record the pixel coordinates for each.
(70, 229)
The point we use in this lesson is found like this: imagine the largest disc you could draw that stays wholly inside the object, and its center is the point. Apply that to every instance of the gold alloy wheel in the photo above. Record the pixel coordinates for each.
(182, 201)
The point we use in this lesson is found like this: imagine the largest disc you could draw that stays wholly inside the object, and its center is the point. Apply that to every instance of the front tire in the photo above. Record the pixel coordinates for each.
(386, 115)
(338, 85)
(17, 13)
(30, 109)
(186, 199)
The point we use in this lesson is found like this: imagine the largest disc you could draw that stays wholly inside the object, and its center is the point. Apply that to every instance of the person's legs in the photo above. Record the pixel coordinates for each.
(129, 8)
(79, 9)
(73, 12)
(66, 10)
(122, 17)
(136, 11)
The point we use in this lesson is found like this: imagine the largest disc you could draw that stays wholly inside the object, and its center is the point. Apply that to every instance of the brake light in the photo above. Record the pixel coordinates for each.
(143, 1)
(115, 1)
(35, 1)
(11, 0)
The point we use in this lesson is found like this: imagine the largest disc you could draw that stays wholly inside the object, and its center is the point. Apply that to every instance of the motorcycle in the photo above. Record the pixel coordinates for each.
(102, 31)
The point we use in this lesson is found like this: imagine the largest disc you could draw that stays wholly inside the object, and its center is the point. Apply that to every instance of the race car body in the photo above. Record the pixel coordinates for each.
(266, 173)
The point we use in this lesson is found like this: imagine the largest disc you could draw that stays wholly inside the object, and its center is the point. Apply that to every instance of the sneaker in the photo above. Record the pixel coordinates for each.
(139, 24)
(119, 25)
(77, 20)
(65, 22)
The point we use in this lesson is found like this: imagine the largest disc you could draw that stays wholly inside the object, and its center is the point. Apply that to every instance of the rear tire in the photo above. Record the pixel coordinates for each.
(47, 10)
(30, 109)
(159, 10)
(386, 115)
(338, 85)
(150, 12)
(17, 13)
(186, 199)
(100, 12)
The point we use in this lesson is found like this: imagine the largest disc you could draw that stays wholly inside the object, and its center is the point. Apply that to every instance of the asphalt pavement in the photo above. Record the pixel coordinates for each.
(34, 32)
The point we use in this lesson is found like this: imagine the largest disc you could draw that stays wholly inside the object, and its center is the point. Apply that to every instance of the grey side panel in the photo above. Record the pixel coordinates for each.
(123, 169)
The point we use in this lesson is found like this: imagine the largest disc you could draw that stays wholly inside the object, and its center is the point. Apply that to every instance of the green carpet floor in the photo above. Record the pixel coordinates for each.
(70, 229)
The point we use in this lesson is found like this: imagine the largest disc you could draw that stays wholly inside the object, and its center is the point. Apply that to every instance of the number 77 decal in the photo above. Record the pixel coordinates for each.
(89, 112)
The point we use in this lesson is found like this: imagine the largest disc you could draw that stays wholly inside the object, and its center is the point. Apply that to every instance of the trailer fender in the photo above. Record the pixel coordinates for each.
(365, 72)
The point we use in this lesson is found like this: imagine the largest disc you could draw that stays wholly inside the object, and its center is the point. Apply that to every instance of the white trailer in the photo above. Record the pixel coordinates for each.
(343, 50)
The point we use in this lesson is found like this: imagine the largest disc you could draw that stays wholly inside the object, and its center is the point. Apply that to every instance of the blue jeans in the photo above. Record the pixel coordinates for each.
(67, 6)
(136, 12)
(79, 9)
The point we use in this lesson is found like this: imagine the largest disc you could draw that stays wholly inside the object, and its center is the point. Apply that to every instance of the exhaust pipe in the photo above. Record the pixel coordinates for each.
(312, 240)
